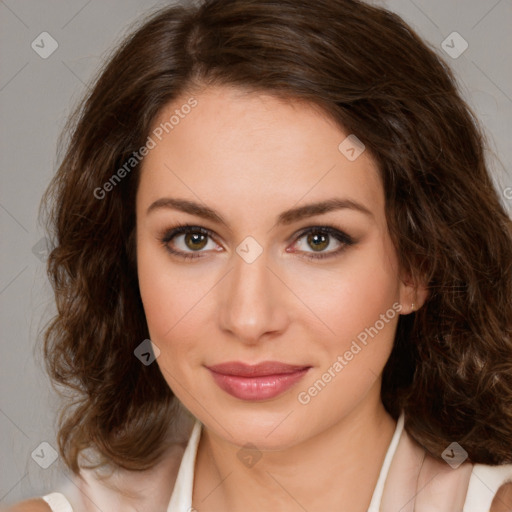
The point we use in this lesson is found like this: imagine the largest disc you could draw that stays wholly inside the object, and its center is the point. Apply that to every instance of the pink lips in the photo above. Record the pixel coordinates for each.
(256, 382)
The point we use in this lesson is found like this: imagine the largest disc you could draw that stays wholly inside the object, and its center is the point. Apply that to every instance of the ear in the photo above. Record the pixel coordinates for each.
(413, 294)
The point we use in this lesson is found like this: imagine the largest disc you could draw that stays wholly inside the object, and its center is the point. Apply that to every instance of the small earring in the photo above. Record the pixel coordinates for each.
(412, 306)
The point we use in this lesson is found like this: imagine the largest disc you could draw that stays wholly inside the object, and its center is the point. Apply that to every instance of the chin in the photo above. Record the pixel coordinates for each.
(270, 426)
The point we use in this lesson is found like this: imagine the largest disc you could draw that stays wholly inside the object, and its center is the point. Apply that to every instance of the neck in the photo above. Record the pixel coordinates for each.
(334, 470)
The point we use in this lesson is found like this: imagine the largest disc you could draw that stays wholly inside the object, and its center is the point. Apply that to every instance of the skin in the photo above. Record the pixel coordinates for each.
(250, 157)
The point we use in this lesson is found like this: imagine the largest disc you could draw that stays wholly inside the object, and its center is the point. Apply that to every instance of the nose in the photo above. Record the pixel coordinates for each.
(253, 301)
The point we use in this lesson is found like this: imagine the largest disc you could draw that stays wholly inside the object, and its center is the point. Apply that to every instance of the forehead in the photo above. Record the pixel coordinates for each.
(238, 148)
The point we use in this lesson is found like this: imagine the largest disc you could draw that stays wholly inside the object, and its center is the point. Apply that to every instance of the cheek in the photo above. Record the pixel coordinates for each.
(358, 304)
(174, 298)
(352, 359)
(354, 296)
(155, 293)
(159, 289)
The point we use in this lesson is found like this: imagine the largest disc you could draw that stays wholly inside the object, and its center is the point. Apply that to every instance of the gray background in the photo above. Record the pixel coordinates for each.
(36, 96)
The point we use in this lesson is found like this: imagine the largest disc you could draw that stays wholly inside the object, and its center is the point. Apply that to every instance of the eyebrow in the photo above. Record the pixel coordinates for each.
(284, 218)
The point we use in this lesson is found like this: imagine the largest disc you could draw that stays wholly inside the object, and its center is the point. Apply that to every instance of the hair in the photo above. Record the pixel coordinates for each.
(450, 370)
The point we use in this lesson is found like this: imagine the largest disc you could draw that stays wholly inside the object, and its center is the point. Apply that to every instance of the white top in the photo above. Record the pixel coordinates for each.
(58, 502)
(484, 480)
(181, 499)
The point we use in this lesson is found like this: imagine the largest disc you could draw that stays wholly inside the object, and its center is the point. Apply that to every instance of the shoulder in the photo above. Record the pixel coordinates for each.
(490, 487)
(147, 490)
(502, 501)
(128, 490)
(471, 487)
(33, 505)
(123, 490)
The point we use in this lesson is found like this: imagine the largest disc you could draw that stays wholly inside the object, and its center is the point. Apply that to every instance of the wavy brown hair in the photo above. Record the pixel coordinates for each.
(450, 370)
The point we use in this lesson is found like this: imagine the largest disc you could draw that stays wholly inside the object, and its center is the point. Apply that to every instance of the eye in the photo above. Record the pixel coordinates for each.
(193, 239)
(322, 237)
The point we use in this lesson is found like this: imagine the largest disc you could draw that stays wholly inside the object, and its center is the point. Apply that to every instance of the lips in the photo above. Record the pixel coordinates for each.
(257, 370)
(256, 382)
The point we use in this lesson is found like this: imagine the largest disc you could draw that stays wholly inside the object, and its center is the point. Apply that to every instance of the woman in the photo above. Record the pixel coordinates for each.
(282, 272)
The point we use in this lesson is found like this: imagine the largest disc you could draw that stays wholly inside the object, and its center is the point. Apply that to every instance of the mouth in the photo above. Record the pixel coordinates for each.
(256, 382)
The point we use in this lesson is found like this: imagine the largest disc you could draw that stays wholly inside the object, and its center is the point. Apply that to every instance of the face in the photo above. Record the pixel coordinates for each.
(260, 275)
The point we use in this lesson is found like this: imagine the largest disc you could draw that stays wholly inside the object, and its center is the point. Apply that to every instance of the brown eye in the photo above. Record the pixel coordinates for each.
(188, 242)
(319, 238)
(185, 240)
(318, 241)
(195, 241)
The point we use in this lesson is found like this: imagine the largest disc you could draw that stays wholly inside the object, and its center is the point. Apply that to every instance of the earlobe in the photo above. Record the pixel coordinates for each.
(412, 295)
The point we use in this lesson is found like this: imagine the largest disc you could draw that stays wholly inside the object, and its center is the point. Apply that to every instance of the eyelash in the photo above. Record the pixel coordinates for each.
(179, 229)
